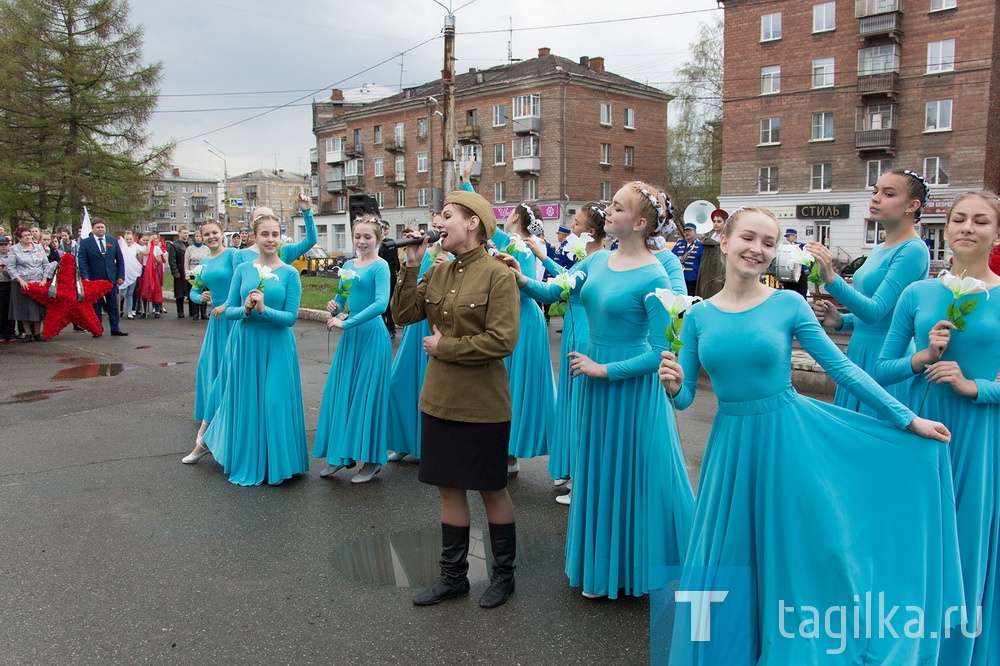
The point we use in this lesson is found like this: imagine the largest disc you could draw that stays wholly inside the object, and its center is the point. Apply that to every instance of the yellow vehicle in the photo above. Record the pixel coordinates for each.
(316, 261)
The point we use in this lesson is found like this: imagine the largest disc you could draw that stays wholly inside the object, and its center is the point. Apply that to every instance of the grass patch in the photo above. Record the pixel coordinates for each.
(316, 291)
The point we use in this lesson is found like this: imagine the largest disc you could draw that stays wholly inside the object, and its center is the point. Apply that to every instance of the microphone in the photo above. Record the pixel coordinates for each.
(432, 236)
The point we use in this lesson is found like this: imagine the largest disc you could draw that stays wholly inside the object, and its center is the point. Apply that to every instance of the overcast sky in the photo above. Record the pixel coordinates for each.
(249, 56)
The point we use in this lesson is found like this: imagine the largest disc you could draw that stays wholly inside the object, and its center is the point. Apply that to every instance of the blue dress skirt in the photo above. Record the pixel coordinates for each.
(975, 446)
(258, 433)
(821, 506)
(354, 410)
(216, 276)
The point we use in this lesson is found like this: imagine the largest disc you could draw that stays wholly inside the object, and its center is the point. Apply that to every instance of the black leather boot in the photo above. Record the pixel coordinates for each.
(503, 543)
(454, 582)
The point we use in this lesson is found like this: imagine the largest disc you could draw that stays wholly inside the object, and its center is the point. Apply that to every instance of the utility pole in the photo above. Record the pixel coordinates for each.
(448, 92)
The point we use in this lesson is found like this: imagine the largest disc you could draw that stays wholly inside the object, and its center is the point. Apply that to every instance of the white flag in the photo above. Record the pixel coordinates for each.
(85, 228)
(133, 269)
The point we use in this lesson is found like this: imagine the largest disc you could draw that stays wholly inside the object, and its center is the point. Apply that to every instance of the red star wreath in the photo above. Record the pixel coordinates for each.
(74, 299)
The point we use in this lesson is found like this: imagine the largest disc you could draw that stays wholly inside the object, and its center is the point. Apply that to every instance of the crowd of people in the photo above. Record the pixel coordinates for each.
(892, 489)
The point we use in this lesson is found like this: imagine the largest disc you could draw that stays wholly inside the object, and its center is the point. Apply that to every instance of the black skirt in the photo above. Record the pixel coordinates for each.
(456, 454)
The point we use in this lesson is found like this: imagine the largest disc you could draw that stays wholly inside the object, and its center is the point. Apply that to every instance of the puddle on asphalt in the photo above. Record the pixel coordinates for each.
(34, 396)
(410, 558)
(170, 364)
(91, 370)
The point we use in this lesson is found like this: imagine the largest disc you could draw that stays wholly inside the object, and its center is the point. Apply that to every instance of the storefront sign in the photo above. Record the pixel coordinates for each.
(938, 206)
(823, 211)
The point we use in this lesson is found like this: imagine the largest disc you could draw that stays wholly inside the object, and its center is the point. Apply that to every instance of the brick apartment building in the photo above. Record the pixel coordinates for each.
(274, 188)
(822, 97)
(176, 200)
(547, 130)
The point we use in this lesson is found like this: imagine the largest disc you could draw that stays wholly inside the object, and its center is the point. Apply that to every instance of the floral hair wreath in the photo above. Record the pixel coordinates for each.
(534, 227)
(663, 213)
(927, 188)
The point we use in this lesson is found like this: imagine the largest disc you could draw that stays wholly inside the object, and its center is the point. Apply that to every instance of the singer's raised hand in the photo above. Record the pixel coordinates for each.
(415, 253)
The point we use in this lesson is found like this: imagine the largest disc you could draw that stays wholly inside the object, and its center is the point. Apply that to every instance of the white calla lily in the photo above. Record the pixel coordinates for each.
(675, 304)
(265, 274)
(962, 286)
(517, 244)
(797, 255)
(576, 246)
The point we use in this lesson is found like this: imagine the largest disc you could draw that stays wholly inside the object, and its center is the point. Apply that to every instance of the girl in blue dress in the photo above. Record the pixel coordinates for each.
(529, 368)
(406, 377)
(215, 277)
(820, 506)
(954, 381)
(565, 430)
(896, 202)
(258, 432)
(632, 500)
(354, 409)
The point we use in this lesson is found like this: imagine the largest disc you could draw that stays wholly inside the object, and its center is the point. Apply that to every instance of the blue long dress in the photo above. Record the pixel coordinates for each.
(529, 371)
(575, 337)
(975, 443)
(632, 501)
(878, 283)
(406, 379)
(216, 276)
(259, 432)
(354, 410)
(818, 502)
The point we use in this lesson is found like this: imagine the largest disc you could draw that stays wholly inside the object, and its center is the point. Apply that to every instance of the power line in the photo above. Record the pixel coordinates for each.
(584, 23)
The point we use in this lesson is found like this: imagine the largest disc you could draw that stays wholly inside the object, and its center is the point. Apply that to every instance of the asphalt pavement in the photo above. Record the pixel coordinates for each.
(116, 553)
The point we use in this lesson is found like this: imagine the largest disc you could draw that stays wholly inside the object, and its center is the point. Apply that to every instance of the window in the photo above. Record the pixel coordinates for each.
(184, 202)
(173, 202)
(472, 117)
(378, 200)
(876, 117)
(355, 167)
(874, 233)
(173, 188)
(421, 196)
(605, 153)
(400, 167)
(526, 146)
(527, 106)
(629, 118)
(330, 145)
(770, 27)
(937, 117)
(629, 159)
(239, 190)
(334, 173)
(357, 138)
(340, 204)
(184, 188)
(421, 163)
(936, 170)
(606, 114)
(400, 198)
(770, 131)
(824, 16)
(378, 134)
(499, 153)
(875, 170)
(421, 128)
(767, 179)
(941, 56)
(938, 5)
(499, 192)
(770, 79)
(499, 115)
(605, 191)
(820, 177)
(379, 167)
(878, 59)
(822, 126)
(822, 73)
(529, 189)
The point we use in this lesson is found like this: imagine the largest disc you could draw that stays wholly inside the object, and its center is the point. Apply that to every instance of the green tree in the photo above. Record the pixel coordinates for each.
(695, 121)
(75, 98)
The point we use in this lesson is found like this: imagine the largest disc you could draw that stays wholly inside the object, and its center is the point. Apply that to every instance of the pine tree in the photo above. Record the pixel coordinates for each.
(75, 98)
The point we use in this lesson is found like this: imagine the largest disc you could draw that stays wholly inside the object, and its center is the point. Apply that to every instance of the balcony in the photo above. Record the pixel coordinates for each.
(395, 178)
(354, 150)
(395, 144)
(199, 208)
(158, 191)
(875, 140)
(468, 134)
(333, 186)
(865, 8)
(334, 156)
(884, 83)
(881, 25)
(527, 125)
(315, 193)
(527, 164)
(314, 155)
(355, 182)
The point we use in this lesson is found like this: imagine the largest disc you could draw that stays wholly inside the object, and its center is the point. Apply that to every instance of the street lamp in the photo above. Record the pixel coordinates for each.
(225, 180)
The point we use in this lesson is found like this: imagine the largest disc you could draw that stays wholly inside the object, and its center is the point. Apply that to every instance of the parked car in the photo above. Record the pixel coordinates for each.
(847, 272)
(316, 261)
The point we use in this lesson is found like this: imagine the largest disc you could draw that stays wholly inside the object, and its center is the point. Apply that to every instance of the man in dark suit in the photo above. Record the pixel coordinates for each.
(100, 258)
